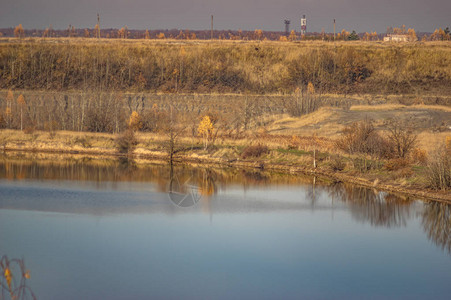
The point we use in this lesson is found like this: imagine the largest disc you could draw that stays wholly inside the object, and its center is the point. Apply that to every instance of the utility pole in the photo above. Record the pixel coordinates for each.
(334, 30)
(98, 26)
(211, 33)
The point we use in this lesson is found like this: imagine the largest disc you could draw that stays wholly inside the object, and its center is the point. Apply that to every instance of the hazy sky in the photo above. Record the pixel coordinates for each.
(360, 15)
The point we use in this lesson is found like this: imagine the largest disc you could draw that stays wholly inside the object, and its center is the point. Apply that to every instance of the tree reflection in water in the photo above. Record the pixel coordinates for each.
(368, 205)
(437, 224)
(126, 166)
(181, 191)
(13, 279)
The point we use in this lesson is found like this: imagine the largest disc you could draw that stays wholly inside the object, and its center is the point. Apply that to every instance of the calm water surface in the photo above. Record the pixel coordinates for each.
(111, 230)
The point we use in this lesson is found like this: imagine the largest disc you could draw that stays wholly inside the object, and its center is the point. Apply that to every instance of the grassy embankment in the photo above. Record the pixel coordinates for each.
(287, 130)
(225, 66)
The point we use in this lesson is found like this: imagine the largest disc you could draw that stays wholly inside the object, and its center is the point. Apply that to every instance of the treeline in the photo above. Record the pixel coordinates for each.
(124, 32)
(247, 35)
(260, 68)
(112, 111)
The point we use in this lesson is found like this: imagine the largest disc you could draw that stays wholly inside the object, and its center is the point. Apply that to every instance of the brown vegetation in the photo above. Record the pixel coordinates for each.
(266, 67)
(254, 151)
(439, 168)
(361, 137)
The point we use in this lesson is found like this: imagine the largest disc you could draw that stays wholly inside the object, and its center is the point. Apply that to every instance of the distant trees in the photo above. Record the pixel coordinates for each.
(97, 31)
(400, 30)
(46, 32)
(344, 35)
(258, 34)
(440, 35)
(122, 33)
(370, 36)
(412, 36)
(70, 31)
(19, 31)
(353, 36)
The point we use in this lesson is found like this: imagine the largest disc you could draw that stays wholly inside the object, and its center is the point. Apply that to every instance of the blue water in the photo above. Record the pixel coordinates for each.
(82, 239)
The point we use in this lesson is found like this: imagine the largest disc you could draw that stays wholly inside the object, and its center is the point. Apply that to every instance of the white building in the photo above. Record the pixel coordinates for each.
(396, 38)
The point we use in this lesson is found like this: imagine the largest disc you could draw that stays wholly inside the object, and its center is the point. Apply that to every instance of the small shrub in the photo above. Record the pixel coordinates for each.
(254, 151)
(28, 130)
(126, 142)
(52, 134)
(404, 173)
(361, 137)
(294, 142)
(419, 156)
(396, 164)
(85, 142)
(337, 163)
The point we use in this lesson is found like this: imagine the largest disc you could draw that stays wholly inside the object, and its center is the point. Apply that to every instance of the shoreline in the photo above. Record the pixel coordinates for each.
(423, 194)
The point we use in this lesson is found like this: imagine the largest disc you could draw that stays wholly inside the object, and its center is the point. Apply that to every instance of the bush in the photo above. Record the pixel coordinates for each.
(337, 163)
(85, 142)
(419, 156)
(28, 130)
(401, 137)
(294, 142)
(439, 169)
(254, 151)
(361, 137)
(396, 164)
(126, 142)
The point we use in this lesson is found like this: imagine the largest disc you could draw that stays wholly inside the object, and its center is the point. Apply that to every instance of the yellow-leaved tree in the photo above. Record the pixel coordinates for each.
(205, 130)
(258, 34)
(19, 31)
(310, 88)
(135, 123)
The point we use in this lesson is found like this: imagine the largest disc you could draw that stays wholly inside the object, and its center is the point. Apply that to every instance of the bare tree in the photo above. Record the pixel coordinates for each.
(402, 136)
(172, 131)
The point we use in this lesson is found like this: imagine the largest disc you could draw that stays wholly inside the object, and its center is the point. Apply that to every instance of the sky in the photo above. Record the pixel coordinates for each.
(359, 15)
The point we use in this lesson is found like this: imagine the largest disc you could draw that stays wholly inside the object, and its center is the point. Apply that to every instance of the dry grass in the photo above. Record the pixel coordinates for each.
(376, 107)
(398, 107)
(429, 141)
(232, 66)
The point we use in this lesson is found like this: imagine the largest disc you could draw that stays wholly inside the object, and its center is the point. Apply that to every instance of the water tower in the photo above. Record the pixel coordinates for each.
(303, 25)
(287, 27)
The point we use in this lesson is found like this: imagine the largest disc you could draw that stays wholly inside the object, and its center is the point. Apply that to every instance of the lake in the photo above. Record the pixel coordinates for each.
(111, 229)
